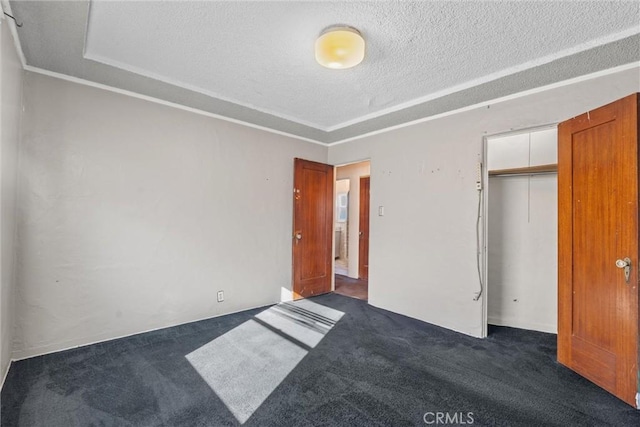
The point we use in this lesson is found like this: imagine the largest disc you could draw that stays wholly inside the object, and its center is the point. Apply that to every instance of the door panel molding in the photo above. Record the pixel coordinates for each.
(598, 223)
(312, 239)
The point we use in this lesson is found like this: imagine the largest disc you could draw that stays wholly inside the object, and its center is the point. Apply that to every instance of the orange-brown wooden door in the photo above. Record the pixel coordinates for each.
(598, 225)
(363, 243)
(312, 228)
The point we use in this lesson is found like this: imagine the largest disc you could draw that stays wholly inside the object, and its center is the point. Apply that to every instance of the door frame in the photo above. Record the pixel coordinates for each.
(361, 266)
(335, 177)
(484, 227)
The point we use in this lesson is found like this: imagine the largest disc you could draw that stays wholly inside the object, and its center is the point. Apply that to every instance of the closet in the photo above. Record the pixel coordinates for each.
(522, 230)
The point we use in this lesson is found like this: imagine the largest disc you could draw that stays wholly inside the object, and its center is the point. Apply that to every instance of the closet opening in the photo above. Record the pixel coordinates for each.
(521, 228)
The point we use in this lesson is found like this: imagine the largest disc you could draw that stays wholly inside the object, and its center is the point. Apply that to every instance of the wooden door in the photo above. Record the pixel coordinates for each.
(598, 224)
(312, 228)
(363, 243)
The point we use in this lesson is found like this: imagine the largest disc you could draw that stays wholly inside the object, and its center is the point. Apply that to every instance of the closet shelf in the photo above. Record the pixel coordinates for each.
(527, 170)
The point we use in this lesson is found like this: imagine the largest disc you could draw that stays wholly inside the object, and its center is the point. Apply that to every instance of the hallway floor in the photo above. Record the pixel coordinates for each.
(354, 288)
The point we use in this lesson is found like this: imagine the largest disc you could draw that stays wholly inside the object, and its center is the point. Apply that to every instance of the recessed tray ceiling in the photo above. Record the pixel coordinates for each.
(254, 61)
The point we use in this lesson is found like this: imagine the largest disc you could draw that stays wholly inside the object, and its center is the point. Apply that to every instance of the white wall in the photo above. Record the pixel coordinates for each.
(423, 251)
(133, 215)
(353, 173)
(10, 109)
(522, 285)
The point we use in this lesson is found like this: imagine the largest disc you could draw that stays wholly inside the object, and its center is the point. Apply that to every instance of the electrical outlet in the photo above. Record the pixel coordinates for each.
(479, 176)
(220, 296)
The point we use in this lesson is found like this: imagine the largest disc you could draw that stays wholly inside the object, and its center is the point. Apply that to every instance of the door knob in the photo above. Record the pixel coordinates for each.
(626, 264)
(298, 236)
(622, 263)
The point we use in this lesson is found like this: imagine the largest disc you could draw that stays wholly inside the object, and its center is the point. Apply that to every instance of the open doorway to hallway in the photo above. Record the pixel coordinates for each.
(351, 242)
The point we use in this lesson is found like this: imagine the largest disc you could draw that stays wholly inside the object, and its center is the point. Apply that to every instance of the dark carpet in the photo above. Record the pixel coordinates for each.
(372, 368)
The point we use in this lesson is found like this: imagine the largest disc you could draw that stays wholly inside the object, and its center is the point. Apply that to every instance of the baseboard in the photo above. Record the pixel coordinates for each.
(83, 342)
(532, 326)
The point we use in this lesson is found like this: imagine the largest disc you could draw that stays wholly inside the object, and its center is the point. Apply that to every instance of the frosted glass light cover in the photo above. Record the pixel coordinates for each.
(340, 48)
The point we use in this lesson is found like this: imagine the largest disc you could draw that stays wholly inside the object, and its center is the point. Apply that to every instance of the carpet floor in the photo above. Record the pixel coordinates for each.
(331, 361)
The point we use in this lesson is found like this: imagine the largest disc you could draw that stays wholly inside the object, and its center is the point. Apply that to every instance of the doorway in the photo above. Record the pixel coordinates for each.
(521, 230)
(351, 230)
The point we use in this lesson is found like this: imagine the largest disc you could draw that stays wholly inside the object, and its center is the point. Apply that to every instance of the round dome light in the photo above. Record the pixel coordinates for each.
(339, 48)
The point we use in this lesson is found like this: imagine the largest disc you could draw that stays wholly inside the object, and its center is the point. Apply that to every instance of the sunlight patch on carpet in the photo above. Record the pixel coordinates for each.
(245, 365)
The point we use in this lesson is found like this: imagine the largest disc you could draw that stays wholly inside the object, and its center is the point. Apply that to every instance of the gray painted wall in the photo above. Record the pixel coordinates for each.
(422, 260)
(133, 215)
(11, 94)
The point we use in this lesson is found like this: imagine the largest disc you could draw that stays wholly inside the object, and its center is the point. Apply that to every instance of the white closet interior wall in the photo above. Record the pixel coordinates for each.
(522, 233)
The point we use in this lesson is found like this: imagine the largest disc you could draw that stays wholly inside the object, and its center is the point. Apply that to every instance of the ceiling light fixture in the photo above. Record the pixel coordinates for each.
(340, 47)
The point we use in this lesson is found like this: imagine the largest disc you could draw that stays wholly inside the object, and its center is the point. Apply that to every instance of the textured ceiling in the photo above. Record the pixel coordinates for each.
(253, 61)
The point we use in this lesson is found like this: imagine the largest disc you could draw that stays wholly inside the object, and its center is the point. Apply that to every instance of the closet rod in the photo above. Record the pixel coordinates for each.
(531, 170)
(506, 175)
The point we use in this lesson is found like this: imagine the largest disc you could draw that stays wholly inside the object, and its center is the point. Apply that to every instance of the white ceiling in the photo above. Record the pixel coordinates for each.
(259, 57)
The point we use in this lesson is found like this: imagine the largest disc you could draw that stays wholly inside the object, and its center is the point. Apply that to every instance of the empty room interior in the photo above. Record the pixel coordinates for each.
(319, 213)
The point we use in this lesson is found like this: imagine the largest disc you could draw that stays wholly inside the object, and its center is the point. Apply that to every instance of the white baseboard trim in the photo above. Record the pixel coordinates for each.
(532, 326)
(83, 342)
